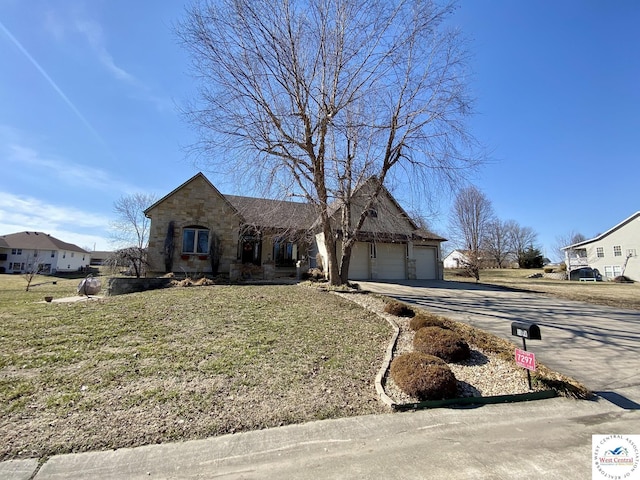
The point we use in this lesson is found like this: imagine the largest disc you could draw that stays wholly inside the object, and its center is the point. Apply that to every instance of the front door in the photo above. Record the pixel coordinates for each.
(251, 251)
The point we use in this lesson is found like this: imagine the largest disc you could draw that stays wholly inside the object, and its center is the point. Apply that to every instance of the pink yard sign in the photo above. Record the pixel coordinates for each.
(526, 359)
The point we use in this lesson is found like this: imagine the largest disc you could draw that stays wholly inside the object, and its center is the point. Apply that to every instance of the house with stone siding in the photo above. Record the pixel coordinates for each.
(195, 228)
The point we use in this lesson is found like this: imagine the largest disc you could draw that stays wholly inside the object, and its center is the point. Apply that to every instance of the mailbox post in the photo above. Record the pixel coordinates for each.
(524, 331)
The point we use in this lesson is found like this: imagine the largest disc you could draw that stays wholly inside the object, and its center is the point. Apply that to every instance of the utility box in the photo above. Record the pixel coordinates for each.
(529, 331)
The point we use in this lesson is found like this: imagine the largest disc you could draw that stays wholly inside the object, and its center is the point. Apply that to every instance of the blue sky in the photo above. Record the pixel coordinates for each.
(89, 91)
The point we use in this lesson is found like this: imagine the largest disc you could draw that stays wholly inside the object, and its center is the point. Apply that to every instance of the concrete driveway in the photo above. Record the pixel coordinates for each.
(597, 345)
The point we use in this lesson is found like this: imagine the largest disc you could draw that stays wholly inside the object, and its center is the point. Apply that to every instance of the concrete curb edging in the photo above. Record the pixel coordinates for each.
(461, 401)
(386, 362)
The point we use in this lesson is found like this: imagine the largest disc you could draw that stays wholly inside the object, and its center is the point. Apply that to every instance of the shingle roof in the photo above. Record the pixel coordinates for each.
(38, 241)
(279, 214)
(602, 235)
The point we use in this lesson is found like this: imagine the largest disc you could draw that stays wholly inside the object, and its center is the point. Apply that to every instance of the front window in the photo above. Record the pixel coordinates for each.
(16, 251)
(600, 252)
(612, 271)
(195, 240)
(617, 251)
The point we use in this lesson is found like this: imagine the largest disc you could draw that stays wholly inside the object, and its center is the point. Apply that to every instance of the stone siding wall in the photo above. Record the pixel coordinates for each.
(122, 286)
(196, 203)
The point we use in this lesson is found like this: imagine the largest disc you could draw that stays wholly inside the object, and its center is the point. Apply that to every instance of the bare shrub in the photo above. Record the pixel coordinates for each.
(423, 376)
(443, 343)
(423, 319)
(398, 309)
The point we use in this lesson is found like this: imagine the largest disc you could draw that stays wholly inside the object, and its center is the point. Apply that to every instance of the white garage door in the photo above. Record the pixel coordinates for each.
(425, 263)
(390, 261)
(359, 263)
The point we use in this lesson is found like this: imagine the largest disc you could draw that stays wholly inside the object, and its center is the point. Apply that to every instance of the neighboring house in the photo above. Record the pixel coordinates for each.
(456, 259)
(19, 251)
(276, 235)
(613, 253)
(460, 259)
(100, 257)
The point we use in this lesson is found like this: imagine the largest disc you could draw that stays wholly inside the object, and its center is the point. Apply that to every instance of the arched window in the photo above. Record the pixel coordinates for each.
(195, 240)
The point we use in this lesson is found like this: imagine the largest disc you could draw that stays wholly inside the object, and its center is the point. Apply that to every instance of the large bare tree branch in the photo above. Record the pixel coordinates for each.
(319, 96)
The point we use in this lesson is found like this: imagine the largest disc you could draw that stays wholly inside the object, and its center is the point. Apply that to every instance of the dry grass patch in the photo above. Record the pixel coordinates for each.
(177, 364)
(624, 295)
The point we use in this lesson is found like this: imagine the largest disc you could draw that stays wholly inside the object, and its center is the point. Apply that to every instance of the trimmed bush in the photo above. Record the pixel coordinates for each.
(423, 376)
(445, 344)
(398, 309)
(422, 320)
(622, 279)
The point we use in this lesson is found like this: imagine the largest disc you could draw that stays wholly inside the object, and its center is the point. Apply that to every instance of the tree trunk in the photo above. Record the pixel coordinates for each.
(345, 261)
(332, 255)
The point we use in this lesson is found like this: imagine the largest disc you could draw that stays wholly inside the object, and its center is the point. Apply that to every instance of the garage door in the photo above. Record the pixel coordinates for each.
(390, 261)
(425, 263)
(359, 264)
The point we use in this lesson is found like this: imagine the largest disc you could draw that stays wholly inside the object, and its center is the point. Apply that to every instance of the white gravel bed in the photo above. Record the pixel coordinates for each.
(483, 375)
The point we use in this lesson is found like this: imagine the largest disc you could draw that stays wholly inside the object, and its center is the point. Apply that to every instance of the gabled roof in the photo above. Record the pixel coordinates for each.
(416, 233)
(198, 175)
(602, 235)
(257, 212)
(38, 241)
(286, 215)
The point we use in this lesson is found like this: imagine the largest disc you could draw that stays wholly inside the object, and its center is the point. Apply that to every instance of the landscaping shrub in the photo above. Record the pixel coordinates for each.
(423, 376)
(398, 309)
(443, 343)
(622, 279)
(314, 274)
(422, 320)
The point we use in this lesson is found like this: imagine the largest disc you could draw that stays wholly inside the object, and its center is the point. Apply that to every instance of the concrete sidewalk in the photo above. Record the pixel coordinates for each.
(548, 439)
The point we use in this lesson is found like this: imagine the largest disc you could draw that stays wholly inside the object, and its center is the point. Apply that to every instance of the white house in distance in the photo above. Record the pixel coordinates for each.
(18, 251)
(456, 259)
(613, 253)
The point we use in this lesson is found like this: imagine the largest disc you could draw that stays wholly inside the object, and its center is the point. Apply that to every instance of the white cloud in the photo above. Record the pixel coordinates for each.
(24, 213)
(78, 22)
(92, 31)
(65, 171)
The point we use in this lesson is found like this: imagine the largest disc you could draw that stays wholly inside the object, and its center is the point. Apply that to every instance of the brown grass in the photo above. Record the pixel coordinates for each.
(624, 295)
(177, 364)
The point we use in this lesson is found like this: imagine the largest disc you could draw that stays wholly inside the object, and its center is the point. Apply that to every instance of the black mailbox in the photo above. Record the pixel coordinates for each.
(526, 330)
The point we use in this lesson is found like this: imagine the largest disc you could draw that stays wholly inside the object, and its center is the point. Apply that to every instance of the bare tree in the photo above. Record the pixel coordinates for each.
(34, 267)
(565, 240)
(496, 242)
(470, 218)
(130, 230)
(521, 240)
(319, 97)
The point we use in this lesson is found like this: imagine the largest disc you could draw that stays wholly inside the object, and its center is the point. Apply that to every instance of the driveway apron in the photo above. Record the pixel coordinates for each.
(596, 345)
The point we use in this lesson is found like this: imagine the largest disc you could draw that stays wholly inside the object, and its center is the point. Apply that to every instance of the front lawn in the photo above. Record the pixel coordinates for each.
(177, 364)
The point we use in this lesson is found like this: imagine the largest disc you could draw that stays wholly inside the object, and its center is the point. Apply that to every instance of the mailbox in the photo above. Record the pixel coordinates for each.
(526, 330)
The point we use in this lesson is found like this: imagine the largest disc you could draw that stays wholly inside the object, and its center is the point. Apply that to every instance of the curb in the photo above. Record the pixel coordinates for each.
(386, 362)
(462, 401)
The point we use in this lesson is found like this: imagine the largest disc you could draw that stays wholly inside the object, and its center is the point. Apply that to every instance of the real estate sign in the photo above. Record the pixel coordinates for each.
(526, 359)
